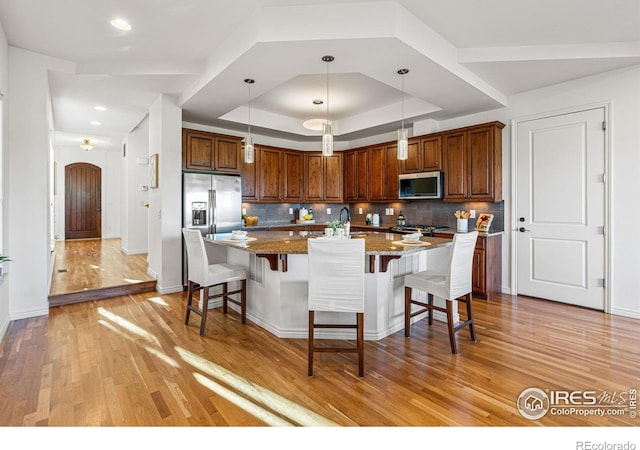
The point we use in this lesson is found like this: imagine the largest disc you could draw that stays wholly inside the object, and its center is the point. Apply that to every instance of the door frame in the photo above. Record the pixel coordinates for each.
(607, 186)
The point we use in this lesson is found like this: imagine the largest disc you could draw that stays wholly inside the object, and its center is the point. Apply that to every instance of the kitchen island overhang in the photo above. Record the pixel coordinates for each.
(278, 282)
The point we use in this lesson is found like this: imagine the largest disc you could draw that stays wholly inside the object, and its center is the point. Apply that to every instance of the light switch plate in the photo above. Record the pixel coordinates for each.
(472, 213)
(328, 210)
(244, 211)
(359, 210)
(391, 211)
(290, 211)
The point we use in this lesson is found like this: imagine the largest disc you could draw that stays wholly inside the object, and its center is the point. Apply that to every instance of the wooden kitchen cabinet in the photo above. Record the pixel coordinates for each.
(472, 163)
(270, 178)
(486, 275)
(293, 173)
(383, 172)
(323, 177)
(425, 155)
(279, 175)
(249, 178)
(355, 175)
(413, 163)
(206, 151)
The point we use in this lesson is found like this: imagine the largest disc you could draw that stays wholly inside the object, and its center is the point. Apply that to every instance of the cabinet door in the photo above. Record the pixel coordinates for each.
(455, 166)
(413, 163)
(198, 150)
(391, 173)
(431, 152)
(249, 178)
(478, 272)
(227, 154)
(355, 175)
(376, 173)
(332, 189)
(351, 176)
(481, 165)
(270, 179)
(313, 177)
(293, 174)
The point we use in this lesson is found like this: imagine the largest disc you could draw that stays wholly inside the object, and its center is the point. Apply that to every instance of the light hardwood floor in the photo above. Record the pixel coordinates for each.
(89, 269)
(131, 361)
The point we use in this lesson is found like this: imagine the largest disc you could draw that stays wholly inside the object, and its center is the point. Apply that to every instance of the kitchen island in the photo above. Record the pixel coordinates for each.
(278, 279)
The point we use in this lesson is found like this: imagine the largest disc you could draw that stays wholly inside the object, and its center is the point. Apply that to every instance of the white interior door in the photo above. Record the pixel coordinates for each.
(560, 209)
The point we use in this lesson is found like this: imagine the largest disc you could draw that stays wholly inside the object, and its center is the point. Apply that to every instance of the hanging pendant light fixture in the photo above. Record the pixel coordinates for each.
(86, 145)
(248, 141)
(403, 135)
(327, 127)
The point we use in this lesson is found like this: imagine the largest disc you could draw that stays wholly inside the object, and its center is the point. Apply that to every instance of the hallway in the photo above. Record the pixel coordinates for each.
(89, 269)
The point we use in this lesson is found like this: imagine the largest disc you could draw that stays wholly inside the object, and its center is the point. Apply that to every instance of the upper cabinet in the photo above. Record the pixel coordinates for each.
(206, 151)
(278, 175)
(293, 173)
(323, 177)
(355, 175)
(270, 179)
(472, 163)
(425, 155)
(382, 173)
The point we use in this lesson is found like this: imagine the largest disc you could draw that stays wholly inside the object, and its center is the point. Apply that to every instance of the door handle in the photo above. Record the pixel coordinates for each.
(522, 229)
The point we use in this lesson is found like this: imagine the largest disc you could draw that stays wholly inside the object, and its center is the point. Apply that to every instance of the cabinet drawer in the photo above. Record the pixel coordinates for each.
(481, 243)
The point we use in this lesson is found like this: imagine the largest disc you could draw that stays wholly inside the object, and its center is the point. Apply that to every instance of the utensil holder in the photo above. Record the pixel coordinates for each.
(463, 225)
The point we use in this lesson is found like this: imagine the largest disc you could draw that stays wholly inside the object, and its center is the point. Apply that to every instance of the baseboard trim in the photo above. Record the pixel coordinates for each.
(103, 293)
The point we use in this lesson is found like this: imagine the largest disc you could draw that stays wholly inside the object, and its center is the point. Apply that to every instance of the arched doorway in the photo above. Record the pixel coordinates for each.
(83, 211)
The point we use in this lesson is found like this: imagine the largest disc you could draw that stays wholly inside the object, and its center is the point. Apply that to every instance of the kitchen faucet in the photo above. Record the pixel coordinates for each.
(345, 209)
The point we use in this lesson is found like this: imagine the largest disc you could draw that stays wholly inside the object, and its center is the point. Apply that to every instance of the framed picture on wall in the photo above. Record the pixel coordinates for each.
(153, 171)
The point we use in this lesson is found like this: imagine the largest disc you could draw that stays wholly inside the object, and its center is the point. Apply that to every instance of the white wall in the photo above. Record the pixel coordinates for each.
(135, 233)
(4, 157)
(28, 238)
(111, 173)
(622, 89)
(165, 202)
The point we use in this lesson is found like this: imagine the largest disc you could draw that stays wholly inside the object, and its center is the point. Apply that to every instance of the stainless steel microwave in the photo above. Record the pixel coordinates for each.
(422, 185)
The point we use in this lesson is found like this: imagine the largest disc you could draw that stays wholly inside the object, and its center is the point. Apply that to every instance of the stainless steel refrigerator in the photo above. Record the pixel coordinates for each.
(211, 203)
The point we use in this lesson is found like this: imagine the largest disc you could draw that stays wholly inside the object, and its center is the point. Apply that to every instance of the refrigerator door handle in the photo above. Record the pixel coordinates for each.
(212, 211)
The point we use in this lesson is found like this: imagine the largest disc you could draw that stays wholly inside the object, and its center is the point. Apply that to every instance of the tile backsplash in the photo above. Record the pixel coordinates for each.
(419, 212)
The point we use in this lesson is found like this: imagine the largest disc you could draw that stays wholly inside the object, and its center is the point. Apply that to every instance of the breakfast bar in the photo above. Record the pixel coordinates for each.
(278, 278)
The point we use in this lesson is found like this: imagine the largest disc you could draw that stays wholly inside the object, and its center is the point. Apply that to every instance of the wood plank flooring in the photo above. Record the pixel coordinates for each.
(90, 269)
(131, 361)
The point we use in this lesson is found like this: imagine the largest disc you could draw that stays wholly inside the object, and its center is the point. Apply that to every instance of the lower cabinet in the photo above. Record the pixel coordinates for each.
(486, 276)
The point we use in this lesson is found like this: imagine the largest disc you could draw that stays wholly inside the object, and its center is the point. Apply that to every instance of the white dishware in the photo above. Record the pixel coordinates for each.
(340, 232)
(328, 232)
(413, 238)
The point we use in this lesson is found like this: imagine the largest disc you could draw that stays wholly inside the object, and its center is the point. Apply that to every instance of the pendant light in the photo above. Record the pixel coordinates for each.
(248, 141)
(86, 145)
(327, 127)
(403, 136)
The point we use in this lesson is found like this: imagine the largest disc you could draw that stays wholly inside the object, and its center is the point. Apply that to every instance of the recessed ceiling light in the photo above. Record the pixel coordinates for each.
(99, 108)
(120, 24)
(95, 122)
(314, 124)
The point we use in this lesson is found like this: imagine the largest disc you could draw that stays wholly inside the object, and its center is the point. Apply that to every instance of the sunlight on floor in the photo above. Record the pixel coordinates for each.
(129, 280)
(158, 300)
(258, 394)
(129, 326)
(267, 406)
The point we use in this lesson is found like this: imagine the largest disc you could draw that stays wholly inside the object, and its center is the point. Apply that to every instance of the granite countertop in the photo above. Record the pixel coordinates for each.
(295, 242)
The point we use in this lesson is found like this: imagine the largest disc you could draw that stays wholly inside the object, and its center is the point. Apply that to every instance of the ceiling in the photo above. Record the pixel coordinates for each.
(463, 56)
